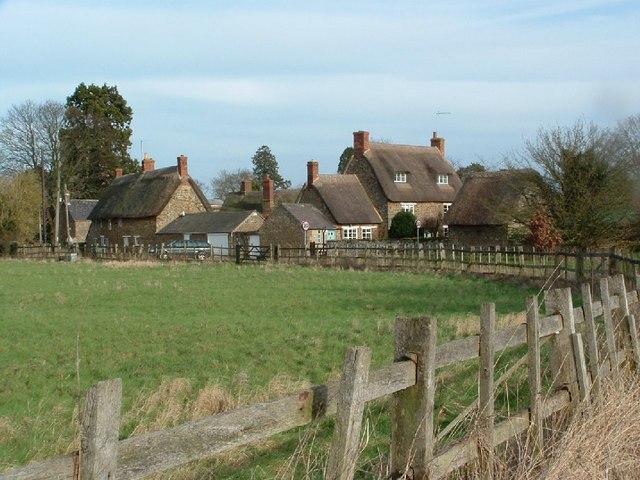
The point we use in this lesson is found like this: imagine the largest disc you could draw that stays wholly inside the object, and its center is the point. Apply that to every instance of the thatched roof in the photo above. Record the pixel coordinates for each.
(239, 201)
(307, 212)
(141, 195)
(422, 166)
(79, 210)
(346, 199)
(212, 222)
(489, 198)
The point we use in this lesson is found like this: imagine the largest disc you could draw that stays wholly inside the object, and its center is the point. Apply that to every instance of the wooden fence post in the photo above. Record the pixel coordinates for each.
(621, 326)
(584, 385)
(558, 301)
(535, 373)
(351, 400)
(486, 395)
(612, 348)
(99, 431)
(412, 439)
(592, 337)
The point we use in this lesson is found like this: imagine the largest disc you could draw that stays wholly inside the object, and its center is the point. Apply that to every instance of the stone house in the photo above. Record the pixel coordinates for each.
(135, 207)
(418, 179)
(223, 230)
(489, 208)
(75, 222)
(285, 226)
(344, 201)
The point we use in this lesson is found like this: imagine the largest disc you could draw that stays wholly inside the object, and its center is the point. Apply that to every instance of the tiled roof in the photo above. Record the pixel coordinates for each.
(307, 212)
(208, 222)
(79, 210)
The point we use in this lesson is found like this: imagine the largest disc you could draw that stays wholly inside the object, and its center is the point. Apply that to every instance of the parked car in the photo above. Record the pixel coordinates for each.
(198, 249)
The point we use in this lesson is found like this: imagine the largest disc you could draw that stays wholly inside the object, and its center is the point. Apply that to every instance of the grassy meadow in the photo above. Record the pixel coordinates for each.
(189, 338)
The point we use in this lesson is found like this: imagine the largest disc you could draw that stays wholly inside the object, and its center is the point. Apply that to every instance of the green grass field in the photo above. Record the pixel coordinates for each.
(236, 328)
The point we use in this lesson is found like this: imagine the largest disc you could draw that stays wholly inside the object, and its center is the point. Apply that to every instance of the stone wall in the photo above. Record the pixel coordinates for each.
(114, 230)
(364, 172)
(184, 199)
(281, 229)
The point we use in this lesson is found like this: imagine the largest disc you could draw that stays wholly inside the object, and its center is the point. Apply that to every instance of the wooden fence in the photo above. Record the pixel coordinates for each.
(516, 261)
(604, 327)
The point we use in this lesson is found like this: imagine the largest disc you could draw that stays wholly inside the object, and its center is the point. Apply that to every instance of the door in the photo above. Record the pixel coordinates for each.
(219, 242)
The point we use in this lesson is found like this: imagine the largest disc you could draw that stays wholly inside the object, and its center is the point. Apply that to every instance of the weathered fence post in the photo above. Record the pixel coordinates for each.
(100, 425)
(612, 348)
(621, 326)
(412, 439)
(351, 401)
(592, 337)
(535, 373)
(486, 395)
(558, 301)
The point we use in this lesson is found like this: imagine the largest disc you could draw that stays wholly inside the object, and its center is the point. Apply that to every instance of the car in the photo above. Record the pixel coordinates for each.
(198, 249)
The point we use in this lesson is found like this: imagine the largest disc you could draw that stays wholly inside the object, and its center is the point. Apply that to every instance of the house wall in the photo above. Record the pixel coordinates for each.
(184, 199)
(114, 230)
(430, 213)
(78, 230)
(281, 229)
(369, 181)
(478, 236)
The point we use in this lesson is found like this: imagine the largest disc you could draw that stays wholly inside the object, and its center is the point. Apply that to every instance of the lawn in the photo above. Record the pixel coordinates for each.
(236, 328)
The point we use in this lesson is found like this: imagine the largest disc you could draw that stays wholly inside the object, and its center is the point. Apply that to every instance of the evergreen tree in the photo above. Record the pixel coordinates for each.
(95, 139)
(265, 163)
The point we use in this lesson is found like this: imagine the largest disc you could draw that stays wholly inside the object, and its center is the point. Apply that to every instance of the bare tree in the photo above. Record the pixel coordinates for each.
(29, 132)
(229, 181)
(584, 185)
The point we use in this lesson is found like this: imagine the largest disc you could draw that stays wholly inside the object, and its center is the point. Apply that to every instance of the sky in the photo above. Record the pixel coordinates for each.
(216, 80)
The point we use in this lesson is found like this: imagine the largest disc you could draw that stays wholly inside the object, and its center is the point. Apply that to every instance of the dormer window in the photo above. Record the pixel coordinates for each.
(443, 179)
(401, 177)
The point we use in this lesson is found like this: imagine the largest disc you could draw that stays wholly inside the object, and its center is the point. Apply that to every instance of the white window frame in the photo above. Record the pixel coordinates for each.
(367, 233)
(443, 179)
(126, 240)
(446, 207)
(109, 224)
(408, 207)
(445, 231)
(136, 240)
(400, 177)
(349, 233)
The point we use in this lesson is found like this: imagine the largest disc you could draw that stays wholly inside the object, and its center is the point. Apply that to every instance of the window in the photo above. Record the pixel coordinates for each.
(136, 240)
(367, 233)
(443, 179)
(446, 207)
(109, 224)
(103, 241)
(119, 222)
(350, 233)
(445, 231)
(408, 207)
(401, 177)
(126, 240)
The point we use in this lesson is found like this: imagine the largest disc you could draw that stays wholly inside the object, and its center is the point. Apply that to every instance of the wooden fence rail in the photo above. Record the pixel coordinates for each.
(415, 448)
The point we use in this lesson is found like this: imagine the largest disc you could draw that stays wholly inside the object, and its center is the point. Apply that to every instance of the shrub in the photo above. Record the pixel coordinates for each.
(403, 225)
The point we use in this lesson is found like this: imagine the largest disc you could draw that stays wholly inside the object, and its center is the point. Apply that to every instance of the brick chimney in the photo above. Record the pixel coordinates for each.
(148, 163)
(246, 186)
(118, 172)
(267, 197)
(312, 172)
(438, 142)
(182, 168)
(360, 143)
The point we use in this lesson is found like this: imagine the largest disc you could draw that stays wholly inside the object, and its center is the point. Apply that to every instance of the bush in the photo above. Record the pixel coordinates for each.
(403, 225)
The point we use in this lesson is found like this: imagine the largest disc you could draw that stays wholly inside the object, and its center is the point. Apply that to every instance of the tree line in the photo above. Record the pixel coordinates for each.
(49, 148)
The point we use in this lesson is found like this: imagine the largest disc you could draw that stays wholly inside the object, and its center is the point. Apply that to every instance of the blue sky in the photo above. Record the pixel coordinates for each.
(216, 80)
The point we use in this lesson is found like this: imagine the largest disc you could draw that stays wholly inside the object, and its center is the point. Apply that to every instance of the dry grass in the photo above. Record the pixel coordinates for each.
(603, 441)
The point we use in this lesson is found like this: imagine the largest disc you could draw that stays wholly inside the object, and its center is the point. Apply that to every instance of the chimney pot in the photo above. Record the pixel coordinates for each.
(313, 172)
(182, 168)
(148, 164)
(438, 143)
(267, 196)
(360, 143)
(246, 186)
